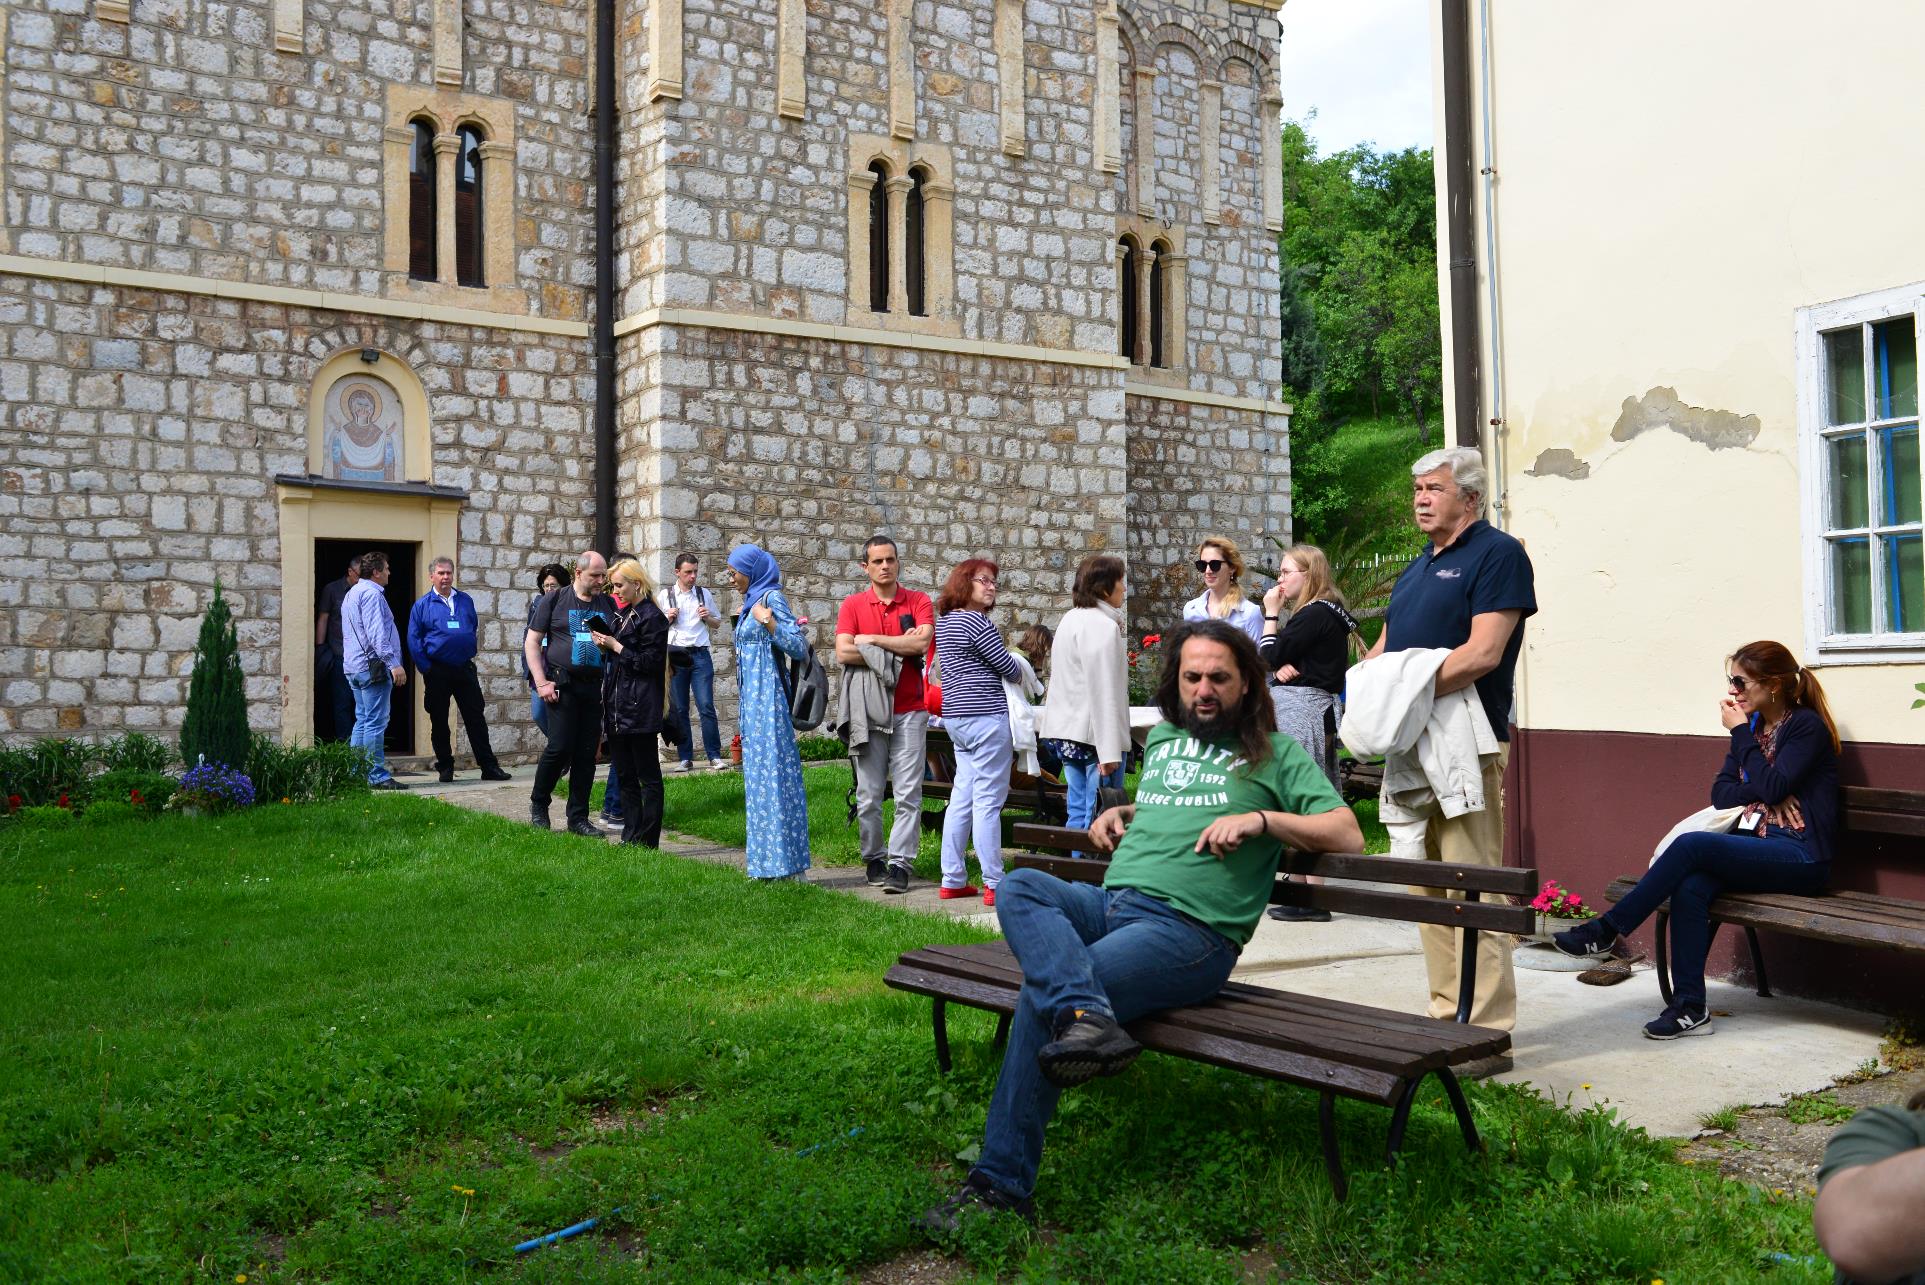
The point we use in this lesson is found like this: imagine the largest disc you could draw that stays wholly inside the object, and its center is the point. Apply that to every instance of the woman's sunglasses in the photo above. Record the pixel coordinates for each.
(1210, 564)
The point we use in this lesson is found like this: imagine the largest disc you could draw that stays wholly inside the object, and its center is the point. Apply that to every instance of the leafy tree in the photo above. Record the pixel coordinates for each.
(216, 724)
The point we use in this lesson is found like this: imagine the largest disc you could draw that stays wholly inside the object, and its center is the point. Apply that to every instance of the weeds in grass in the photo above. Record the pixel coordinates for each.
(1822, 1107)
(1725, 1119)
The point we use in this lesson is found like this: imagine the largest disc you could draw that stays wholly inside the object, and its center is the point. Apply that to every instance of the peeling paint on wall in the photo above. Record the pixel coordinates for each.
(1660, 408)
(1559, 461)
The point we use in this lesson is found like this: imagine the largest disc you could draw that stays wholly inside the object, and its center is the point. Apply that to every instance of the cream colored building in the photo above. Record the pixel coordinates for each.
(1699, 280)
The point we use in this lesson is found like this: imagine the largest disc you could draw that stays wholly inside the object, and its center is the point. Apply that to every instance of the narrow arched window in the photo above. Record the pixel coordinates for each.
(1126, 298)
(1159, 302)
(468, 211)
(913, 246)
(879, 238)
(421, 196)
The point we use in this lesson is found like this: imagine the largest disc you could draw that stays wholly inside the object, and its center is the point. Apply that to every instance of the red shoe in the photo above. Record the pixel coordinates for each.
(967, 890)
(989, 897)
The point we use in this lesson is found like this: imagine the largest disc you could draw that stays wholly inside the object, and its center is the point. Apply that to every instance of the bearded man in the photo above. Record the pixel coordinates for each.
(1221, 794)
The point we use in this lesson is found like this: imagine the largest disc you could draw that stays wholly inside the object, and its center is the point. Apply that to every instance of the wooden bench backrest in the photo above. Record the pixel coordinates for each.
(1875, 811)
(1350, 894)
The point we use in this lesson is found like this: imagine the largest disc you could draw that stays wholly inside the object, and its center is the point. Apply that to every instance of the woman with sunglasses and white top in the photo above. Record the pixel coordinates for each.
(1221, 563)
(1782, 771)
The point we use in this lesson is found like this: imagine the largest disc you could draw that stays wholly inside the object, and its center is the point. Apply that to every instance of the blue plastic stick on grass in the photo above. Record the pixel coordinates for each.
(854, 1132)
(586, 1224)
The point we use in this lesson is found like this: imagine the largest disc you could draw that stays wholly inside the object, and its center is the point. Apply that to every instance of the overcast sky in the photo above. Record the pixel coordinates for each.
(1363, 66)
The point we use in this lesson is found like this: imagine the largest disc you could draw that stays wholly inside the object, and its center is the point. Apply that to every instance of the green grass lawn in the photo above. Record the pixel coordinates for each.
(386, 1039)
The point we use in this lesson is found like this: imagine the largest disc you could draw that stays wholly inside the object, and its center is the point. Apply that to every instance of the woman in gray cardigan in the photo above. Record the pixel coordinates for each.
(1086, 717)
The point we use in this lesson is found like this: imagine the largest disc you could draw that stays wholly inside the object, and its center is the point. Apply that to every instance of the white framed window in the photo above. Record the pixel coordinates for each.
(1863, 485)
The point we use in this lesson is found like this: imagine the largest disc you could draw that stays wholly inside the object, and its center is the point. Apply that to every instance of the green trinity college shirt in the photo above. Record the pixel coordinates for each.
(1185, 785)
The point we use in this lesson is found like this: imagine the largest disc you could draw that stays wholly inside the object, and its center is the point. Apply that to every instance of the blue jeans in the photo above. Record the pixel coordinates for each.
(700, 677)
(539, 711)
(1693, 871)
(976, 797)
(1103, 950)
(373, 702)
(612, 792)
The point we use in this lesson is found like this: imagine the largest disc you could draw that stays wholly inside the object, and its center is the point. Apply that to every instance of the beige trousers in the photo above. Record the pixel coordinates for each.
(1475, 839)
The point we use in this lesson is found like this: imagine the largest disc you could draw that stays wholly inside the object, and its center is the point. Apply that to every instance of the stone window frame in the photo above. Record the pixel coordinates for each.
(902, 158)
(449, 112)
(1824, 642)
(1168, 265)
(417, 439)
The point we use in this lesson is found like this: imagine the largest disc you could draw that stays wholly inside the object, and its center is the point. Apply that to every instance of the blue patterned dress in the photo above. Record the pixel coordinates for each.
(778, 809)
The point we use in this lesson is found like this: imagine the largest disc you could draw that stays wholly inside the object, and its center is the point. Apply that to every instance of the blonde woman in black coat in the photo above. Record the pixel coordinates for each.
(632, 691)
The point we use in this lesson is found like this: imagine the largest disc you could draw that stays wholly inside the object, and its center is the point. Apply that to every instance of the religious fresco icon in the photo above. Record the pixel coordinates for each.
(362, 441)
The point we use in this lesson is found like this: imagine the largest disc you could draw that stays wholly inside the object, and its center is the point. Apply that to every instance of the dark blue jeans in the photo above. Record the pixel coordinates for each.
(1693, 871)
(1112, 951)
(700, 678)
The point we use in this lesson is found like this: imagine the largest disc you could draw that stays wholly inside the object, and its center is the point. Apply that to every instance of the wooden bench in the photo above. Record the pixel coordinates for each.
(1337, 1048)
(1360, 778)
(1845, 918)
(1033, 794)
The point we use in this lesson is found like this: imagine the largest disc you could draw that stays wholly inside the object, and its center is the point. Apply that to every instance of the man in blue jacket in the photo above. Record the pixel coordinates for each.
(441, 638)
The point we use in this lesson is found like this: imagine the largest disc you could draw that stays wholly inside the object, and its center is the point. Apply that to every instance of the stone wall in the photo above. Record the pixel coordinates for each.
(142, 432)
(1196, 470)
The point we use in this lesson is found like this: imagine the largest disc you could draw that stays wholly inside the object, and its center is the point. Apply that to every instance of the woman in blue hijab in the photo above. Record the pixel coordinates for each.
(778, 810)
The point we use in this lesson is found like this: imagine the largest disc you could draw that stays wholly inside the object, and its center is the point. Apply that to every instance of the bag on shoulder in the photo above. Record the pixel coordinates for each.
(808, 693)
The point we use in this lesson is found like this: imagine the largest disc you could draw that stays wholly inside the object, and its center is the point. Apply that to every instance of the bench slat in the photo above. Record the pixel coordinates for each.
(1879, 821)
(1839, 918)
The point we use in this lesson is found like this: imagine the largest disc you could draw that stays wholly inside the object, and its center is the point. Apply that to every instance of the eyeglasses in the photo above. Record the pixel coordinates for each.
(1210, 564)
(1739, 682)
(986, 581)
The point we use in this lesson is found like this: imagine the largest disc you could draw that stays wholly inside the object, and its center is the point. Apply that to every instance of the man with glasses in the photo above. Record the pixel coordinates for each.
(891, 626)
(691, 610)
(1470, 591)
(567, 668)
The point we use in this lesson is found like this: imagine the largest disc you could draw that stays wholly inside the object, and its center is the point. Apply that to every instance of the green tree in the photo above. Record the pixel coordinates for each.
(216, 724)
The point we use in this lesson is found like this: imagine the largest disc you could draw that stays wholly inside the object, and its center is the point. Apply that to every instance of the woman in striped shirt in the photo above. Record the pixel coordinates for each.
(974, 662)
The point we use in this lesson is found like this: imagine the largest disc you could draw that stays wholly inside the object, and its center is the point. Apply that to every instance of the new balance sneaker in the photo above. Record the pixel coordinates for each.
(1592, 939)
(897, 880)
(877, 869)
(975, 1196)
(1087, 1046)
(1676, 1022)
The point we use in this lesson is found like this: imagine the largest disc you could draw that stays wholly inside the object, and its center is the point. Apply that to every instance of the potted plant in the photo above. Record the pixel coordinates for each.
(1558, 909)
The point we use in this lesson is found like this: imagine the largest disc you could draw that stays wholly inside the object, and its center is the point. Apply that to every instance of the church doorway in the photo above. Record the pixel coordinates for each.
(406, 582)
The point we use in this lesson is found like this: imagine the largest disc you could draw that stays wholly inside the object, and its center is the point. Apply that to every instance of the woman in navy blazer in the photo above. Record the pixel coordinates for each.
(1782, 770)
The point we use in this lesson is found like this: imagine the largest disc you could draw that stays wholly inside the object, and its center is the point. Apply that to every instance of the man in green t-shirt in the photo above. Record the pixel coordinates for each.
(1220, 794)
(1870, 1215)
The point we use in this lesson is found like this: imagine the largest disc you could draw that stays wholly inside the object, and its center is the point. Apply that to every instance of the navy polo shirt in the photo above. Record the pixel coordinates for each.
(1433, 601)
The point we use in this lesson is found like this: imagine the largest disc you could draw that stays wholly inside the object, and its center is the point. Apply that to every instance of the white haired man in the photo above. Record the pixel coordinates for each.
(1469, 591)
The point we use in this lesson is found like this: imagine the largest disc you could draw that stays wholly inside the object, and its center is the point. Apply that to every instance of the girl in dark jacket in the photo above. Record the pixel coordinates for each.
(1782, 771)
(632, 686)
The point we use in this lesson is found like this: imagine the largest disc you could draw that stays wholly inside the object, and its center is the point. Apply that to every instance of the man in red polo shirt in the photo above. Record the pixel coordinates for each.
(900, 621)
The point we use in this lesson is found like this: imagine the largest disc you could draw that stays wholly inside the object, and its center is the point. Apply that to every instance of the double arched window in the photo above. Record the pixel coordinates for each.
(428, 255)
(896, 209)
(1143, 297)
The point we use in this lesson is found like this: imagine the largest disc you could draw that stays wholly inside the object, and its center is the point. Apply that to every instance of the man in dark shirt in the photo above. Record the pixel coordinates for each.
(327, 650)
(567, 668)
(1470, 591)
(1870, 1215)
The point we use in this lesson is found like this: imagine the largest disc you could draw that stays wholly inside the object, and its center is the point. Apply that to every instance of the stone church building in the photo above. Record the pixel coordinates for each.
(285, 280)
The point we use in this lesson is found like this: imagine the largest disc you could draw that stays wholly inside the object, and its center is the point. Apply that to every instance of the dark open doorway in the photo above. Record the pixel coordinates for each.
(330, 561)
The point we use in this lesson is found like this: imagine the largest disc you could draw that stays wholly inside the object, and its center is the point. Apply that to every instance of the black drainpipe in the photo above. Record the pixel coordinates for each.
(605, 537)
(1459, 174)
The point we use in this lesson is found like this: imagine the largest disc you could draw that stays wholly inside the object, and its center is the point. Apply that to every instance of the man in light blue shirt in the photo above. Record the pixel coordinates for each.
(371, 657)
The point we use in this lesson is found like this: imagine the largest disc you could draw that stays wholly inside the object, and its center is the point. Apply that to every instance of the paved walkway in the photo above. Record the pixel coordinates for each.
(1577, 1043)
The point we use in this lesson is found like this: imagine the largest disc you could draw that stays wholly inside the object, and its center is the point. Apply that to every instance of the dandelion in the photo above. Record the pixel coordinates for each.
(1587, 1088)
(285, 799)
(240, 1278)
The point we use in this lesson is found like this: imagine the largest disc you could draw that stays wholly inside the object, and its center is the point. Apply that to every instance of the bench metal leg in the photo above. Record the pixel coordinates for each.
(1332, 1157)
(1002, 1032)
(1400, 1115)
(942, 1035)
(1399, 1118)
(1460, 1108)
(1662, 953)
(1758, 961)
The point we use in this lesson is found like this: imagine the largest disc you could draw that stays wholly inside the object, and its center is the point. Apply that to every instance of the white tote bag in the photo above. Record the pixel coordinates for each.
(1707, 820)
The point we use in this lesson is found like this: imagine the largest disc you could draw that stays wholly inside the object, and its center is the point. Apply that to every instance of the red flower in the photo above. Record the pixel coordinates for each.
(61, 802)
(133, 796)
(13, 802)
(1151, 640)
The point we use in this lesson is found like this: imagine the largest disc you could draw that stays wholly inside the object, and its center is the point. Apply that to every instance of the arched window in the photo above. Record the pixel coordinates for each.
(421, 194)
(468, 211)
(912, 242)
(1159, 302)
(1126, 297)
(879, 238)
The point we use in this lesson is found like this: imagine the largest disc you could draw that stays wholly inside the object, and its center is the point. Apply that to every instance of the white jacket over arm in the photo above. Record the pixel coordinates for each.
(1089, 684)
